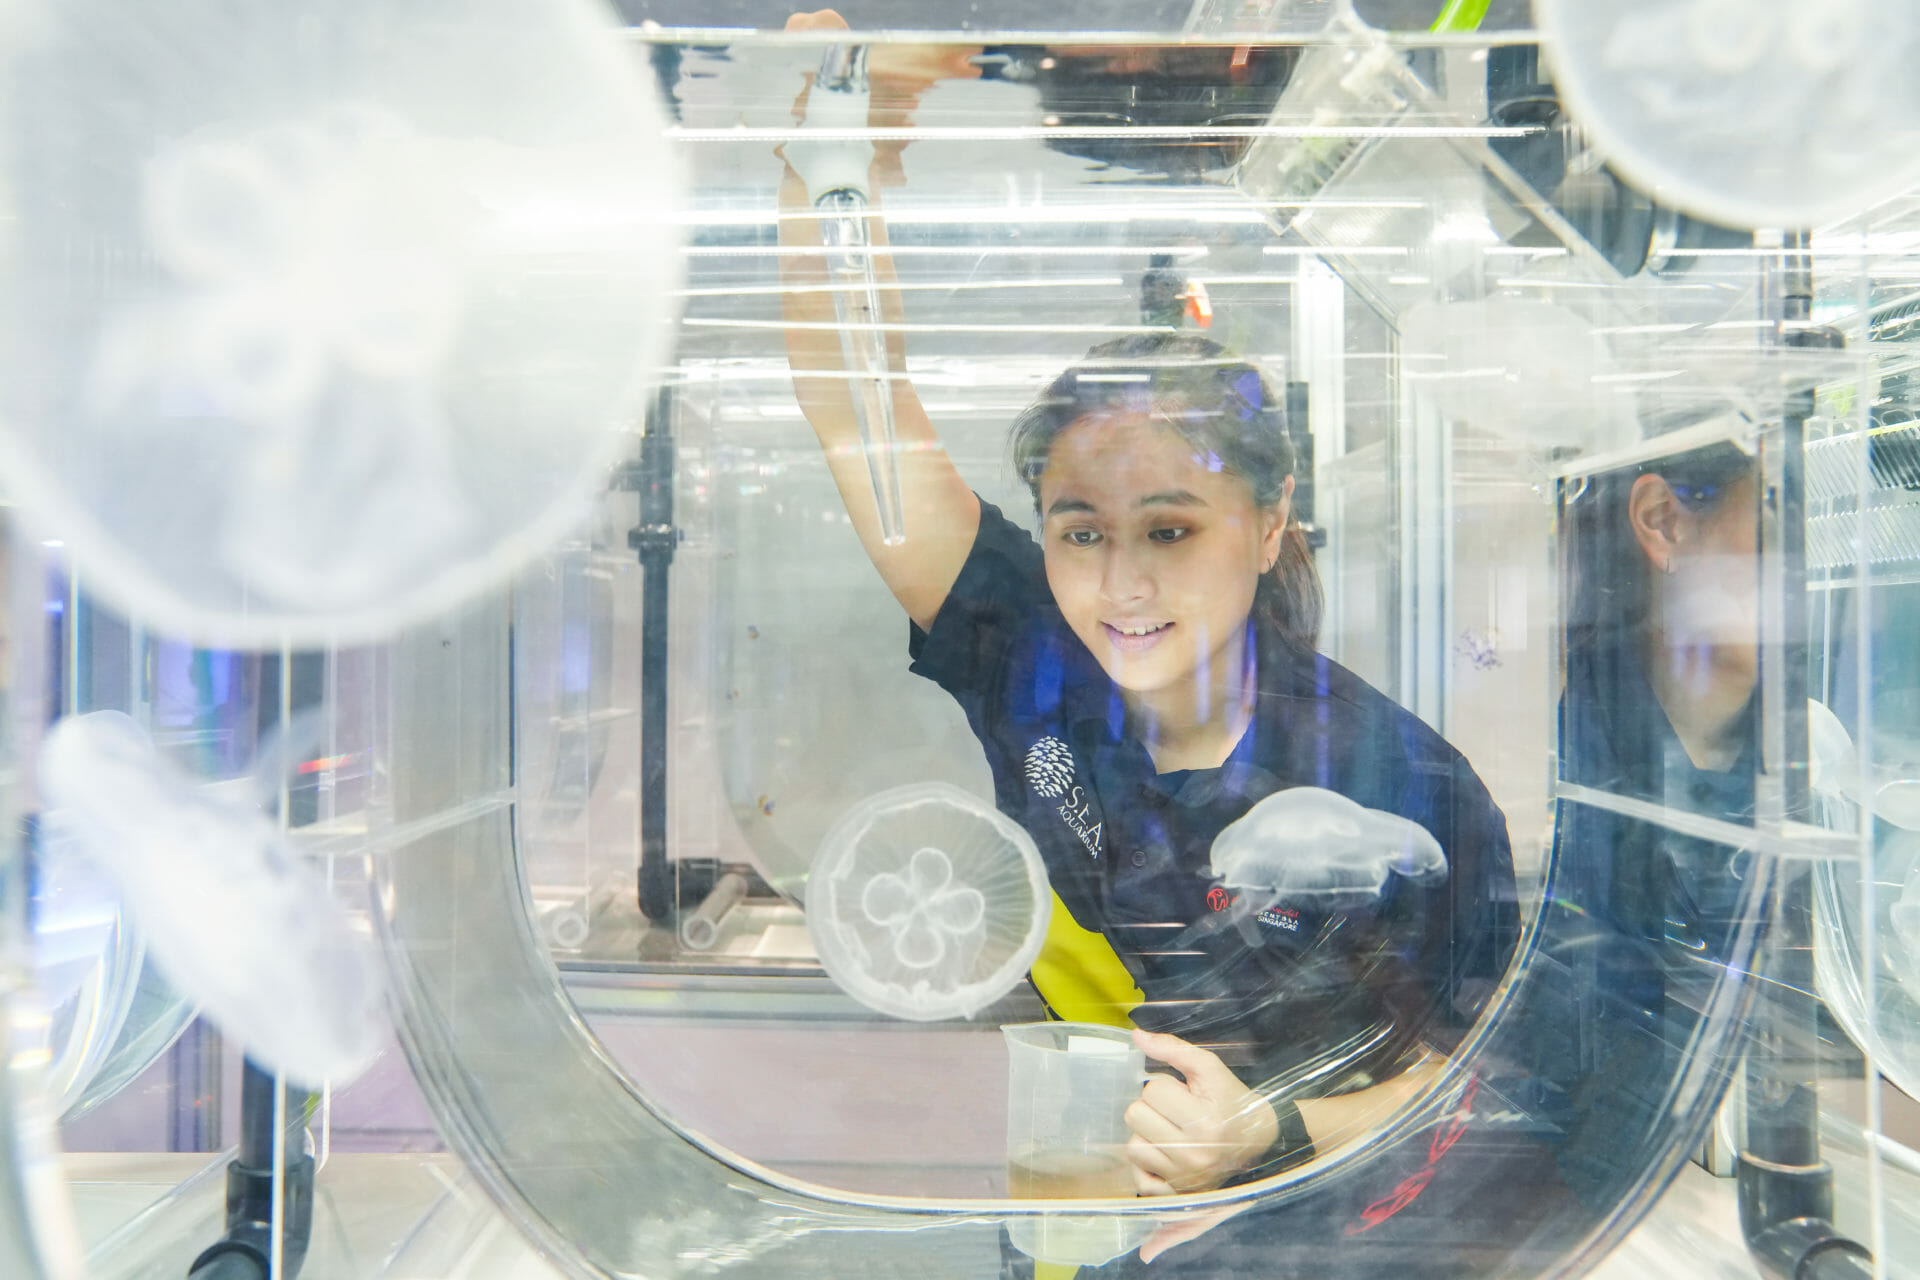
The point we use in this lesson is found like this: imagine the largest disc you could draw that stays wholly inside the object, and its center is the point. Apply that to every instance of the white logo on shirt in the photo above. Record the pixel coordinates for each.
(1287, 918)
(1049, 768)
(1050, 773)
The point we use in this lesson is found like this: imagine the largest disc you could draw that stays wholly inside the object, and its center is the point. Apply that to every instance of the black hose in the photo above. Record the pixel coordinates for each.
(229, 1264)
(256, 1117)
(654, 541)
(1785, 1188)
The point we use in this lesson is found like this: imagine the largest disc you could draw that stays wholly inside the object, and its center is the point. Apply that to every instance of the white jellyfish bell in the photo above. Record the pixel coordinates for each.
(926, 903)
(1307, 844)
(238, 922)
(334, 311)
(1751, 113)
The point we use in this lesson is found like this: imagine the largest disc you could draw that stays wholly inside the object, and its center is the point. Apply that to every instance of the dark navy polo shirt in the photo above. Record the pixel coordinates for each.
(1645, 881)
(1637, 925)
(1326, 999)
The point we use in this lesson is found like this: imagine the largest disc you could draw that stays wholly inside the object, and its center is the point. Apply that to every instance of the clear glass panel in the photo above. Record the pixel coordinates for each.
(788, 702)
(1570, 842)
(47, 1045)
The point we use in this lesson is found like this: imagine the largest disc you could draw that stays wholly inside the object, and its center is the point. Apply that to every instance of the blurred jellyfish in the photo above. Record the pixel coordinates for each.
(86, 966)
(926, 903)
(1310, 844)
(1830, 767)
(382, 291)
(1898, 802)
(1529, 371)
(1750, 113)
(1833, 775)
(237, 921)
(1896, 865)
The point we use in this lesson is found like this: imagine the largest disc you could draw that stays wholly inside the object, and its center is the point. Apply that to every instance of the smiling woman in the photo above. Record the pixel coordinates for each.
(1139, 678)
(1163, 471)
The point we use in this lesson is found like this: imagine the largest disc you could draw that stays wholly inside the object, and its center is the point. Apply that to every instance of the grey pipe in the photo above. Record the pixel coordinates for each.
(701, 927)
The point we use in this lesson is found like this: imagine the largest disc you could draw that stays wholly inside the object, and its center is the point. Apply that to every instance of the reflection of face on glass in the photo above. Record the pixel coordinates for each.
(1699, 544)
(1663, 626)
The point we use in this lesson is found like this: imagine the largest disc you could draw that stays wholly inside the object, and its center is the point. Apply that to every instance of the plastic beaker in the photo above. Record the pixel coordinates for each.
(1068, 1088)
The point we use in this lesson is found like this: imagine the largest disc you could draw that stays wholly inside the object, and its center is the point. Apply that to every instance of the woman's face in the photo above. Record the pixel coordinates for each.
(1153, 552)
(1706, 573)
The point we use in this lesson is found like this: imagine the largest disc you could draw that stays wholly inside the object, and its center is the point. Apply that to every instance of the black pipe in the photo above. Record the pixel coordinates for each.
(246, 1251)
(1813, 1250)
(229, 1265)
(257, 1089)
(1785, 1188)
(654, 541)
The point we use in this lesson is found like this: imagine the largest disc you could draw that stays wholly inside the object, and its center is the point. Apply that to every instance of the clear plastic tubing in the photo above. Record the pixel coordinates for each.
(847, 235)
(701, 929)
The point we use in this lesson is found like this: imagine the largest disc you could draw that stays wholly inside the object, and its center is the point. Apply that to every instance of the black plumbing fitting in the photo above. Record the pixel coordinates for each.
(246, 1251)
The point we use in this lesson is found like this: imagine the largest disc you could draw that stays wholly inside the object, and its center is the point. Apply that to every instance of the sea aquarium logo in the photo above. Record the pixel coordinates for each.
(1288, 918)
(1049, 768)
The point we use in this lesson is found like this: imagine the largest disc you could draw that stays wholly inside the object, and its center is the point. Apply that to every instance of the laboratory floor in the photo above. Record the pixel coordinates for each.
(418, 1217)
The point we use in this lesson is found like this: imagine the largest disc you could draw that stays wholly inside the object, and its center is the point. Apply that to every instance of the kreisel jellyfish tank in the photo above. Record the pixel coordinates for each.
(607, 601)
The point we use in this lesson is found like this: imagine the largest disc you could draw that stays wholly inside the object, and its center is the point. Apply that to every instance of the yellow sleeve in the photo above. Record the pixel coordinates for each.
(1080, 977)
(1082, 980)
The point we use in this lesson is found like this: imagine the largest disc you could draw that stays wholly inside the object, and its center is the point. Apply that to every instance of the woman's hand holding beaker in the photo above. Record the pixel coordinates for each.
(1194, 1135)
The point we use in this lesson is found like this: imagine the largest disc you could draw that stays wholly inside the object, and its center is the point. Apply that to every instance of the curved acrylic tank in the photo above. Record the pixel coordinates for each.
(1869, 932)
(789, 702)
(589, 809)
(38, 1236)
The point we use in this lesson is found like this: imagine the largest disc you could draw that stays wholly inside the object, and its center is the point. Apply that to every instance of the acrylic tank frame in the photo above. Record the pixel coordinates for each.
(607, 1179)
(580, 1190)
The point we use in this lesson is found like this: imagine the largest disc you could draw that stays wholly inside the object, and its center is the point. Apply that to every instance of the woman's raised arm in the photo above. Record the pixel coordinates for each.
(941, 513)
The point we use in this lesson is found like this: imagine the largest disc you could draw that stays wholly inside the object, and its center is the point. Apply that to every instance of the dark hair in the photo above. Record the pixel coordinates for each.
(1220, 404)
(1611, 588)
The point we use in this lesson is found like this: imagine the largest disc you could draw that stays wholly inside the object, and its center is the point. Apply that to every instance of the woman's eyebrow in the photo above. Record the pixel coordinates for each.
(1169, 498)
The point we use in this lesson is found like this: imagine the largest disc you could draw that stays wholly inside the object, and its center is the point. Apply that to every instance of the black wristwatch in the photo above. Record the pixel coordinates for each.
(1294, 1145)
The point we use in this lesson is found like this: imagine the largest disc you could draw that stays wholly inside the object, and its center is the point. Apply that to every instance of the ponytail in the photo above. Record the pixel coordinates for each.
(1289, 598)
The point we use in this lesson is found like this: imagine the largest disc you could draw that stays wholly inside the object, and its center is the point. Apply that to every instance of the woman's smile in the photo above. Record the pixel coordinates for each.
(1136, 637)
(1154, 551)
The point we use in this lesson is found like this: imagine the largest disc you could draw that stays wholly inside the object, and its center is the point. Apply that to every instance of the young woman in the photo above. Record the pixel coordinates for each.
(1139, 676)
(1662, 661)
(1662, 664)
